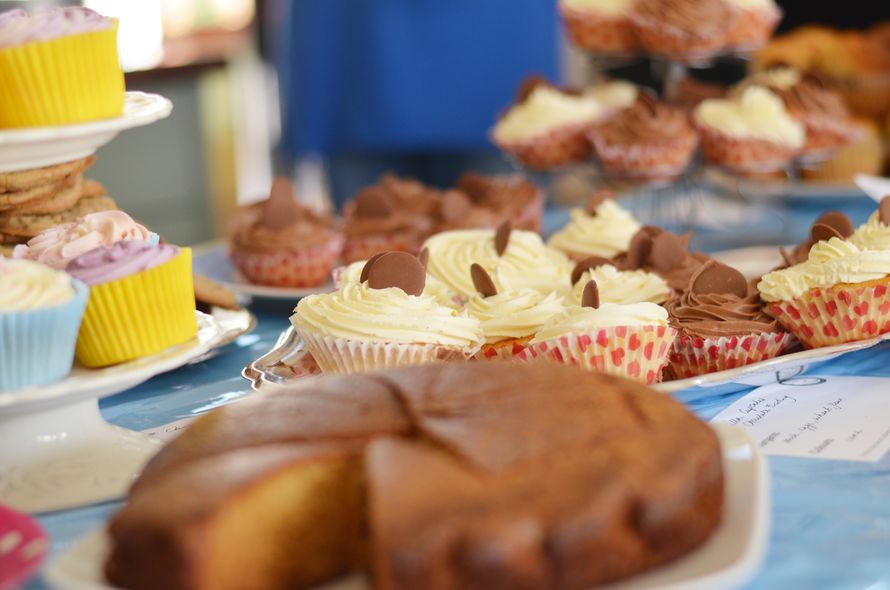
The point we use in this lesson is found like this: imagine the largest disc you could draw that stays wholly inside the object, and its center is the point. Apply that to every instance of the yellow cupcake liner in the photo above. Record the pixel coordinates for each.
(139, 315)
(72, 79)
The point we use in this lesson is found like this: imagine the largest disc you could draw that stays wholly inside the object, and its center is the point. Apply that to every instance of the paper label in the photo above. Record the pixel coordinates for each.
(824, 417)
(167, 432)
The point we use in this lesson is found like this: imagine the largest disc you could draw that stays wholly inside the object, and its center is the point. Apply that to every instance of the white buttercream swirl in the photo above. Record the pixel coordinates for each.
(433, 286)
(872, 235)
(605, 233)
(545, 108)
(515, 313)
(618, 94)
(575, 320)
(607, 7)
(756, 113)
(623, 286)
(26, 285)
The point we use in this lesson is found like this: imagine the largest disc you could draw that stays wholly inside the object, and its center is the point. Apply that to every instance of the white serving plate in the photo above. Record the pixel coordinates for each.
(729, 558)
(754, 261)
(212, 261)
(56, 450)
(36, 147)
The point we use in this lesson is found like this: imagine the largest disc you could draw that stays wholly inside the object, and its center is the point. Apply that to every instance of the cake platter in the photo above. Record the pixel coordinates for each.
(56, 450)
(212, 261)
(36, 147)
(729, 558)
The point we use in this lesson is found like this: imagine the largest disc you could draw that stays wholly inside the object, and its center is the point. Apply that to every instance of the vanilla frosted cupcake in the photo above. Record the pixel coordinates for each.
(603, 228)
(629, 340)
(40, 314)
(59, 245)
(599, 25)
(615, 95)
(751, 132)
(840, 294)
(384, 321)
(508, 318)
(875, 233)
(548, 128)
(754, 23)
(618, 286)
(513, 259)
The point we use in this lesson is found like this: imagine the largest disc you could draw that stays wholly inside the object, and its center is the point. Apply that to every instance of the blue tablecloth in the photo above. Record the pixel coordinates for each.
(830, 519)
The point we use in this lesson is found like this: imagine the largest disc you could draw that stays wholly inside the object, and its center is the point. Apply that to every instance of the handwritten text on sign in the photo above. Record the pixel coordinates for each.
(820, 417)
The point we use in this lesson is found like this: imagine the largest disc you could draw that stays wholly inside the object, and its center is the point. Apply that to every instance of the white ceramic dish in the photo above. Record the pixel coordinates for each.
(35, 147)
(730, 557)
(212, 261)
(754, 261)
(56, 450)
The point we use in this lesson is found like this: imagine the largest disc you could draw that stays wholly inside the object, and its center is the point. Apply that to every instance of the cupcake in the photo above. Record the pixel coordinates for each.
(59, 66)
(59, 245)
(509, 319)
(683, 29)
(508, 196)
(662, 253)
(394, 215)
(599, 25)
(384, 321)
(721, 324)
(840, 294)
(513, 259)
(690, 92)
(628, 340)
(548, 128)
(754, 23)
(618, 286)
(875, 233)
(814, 103)
(602, 228)
(141, 301)
(457, 211)
(614, 96)
(40, 314)
(649, 140)
(749, 133)
(280, 243)
(864, 154)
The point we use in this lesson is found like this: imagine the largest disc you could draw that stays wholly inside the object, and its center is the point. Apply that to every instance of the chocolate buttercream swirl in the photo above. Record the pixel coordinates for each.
(646, 121)
(703, 18)
(713, 315)
(392, 205)
(812, 96)
(251, 232)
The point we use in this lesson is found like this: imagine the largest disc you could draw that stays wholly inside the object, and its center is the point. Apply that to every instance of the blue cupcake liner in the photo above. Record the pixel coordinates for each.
(37, 346)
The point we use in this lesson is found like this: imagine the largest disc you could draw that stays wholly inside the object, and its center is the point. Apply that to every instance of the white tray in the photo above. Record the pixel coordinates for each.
(729, 558)
(35, 147)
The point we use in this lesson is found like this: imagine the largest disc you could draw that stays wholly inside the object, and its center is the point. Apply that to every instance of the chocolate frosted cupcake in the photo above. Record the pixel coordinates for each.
(754, 23)
(682, 29)
(279, 242)
(394, 215)
(509, 197)
(649, 140)
(599, 25)
(663, 253)
(457, 211)
(721, 324)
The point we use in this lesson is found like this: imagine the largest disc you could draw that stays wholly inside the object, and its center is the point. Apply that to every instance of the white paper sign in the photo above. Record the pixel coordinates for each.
(168, 431)
(818, 417)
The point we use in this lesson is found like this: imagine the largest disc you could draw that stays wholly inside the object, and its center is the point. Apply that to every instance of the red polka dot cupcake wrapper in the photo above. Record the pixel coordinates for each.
(839, 314)
(308, 267)
(506, 350)
(753, 28)
(636, 352)
(692, 356)
(363, 247)
(743, 154)
(558, 147)
(664, 160)
(595, 31)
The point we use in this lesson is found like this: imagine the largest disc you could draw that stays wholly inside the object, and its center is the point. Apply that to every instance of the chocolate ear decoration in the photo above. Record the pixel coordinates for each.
(588, 263)
(280, 210)
(454, 205)
(667, 252)
(373, 203)
(838, 221)
(482, 281)
(821, 232)
(884, 210)
(502, 237)
(397, 269)
(716, 277)
(597, 199)
(591, 295)
(424, 258)
(638, 250)
(367, 266)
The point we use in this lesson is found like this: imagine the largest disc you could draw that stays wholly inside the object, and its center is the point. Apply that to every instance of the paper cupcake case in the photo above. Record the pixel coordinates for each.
(839, 314)
(636, 352)
(307, 267)
(653, 160)
(825, 133)
(363, 247)
(658, 37)
(70, 79)
(139, 315)
(692, 356)
(753, 28)
(37, 346)
(342, 356)
(505, 350)
(590, 29)
(744, 155)
(560, 146)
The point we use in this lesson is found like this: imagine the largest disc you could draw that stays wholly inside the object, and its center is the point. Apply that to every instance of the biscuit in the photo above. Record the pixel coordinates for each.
(22, 180)
(6, 250)
(29, 226)
(214, 294)
(19, 198)
(92, 188)
(64, 199)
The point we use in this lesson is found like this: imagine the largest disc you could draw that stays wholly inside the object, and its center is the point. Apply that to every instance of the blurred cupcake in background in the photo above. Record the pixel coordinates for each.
(754, 23)
(864, 154)
(614, 95)
(686, 30)
(457, 211)
(599, 25)
(508, 196)
(601, 228)
(751, 132)
(280, 243)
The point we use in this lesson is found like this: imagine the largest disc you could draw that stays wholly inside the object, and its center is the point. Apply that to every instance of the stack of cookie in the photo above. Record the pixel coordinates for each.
(37, 199)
